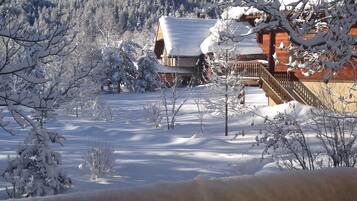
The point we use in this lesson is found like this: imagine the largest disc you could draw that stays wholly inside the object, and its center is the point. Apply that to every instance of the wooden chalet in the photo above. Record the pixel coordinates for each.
(177, 45)
(180, 43)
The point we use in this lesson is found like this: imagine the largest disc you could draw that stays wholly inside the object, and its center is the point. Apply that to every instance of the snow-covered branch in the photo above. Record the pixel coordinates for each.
(320, 31)
(173, 100)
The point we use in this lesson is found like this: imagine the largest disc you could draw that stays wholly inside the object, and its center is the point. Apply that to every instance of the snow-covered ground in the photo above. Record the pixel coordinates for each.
(145, 154)
(336, 184)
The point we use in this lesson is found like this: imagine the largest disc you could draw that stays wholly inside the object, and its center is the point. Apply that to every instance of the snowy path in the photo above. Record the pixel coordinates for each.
(147, 155)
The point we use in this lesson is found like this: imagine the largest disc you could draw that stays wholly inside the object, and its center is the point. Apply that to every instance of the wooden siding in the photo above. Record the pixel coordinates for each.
(354, 30)
(265, 44)
(159, 48)
(282, 55)
(159, 34)
(167, 78)
(346, 73)
(178, 61)
(166, 60)
(338, 89)
(159, 43)
(187, 61)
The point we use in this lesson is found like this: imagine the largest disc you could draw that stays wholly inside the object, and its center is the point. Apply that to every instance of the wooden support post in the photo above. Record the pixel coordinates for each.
(271, 60)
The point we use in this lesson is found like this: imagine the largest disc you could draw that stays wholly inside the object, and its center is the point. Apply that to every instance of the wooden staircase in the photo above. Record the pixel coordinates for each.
(280, 87)
(299, 91)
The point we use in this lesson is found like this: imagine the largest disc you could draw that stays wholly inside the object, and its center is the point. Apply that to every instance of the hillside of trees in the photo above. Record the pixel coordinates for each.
(121, 19)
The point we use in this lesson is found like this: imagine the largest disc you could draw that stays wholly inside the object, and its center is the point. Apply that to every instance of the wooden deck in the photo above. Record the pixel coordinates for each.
(280, 87)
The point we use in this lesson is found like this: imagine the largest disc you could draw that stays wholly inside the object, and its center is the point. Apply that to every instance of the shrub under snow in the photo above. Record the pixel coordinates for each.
(153, 113)
(323, 139)
(99, 159)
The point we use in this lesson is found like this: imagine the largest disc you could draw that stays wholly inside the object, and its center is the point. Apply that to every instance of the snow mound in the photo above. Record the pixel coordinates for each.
(247, 44)
(328, 185)
(300, 109)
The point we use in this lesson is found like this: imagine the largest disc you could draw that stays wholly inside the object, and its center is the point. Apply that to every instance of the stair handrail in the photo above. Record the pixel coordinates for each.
(284, 88)
(281, 91)
(255, 69)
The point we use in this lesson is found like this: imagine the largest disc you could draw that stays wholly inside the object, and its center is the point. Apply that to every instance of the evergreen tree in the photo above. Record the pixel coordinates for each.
(148, 78)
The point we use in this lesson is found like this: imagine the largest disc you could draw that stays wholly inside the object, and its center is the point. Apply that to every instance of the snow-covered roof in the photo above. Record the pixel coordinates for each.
(192, 37)
(183, 36)
(246, 46)
(238, 12)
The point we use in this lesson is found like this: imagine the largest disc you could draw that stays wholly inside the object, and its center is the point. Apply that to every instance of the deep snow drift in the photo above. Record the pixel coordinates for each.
(145, 154)
(326, 185)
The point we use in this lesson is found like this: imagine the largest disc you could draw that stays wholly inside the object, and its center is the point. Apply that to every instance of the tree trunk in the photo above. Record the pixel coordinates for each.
(118, 87)
(109, 87)
(226, 96)
(77, 111)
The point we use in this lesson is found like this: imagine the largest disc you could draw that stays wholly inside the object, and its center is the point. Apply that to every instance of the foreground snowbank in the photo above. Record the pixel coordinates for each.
(327, 185)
